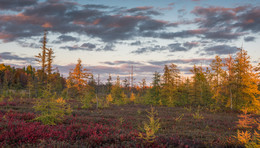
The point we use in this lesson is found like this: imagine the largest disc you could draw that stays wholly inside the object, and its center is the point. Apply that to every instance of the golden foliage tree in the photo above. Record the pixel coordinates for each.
(78, 78)
(230, 80)
(247, 93)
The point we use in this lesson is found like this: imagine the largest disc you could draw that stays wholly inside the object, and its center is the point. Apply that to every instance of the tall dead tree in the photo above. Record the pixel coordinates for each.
(41, 57)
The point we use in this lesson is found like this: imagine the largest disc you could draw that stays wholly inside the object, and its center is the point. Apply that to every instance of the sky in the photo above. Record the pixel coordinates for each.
(110, 36)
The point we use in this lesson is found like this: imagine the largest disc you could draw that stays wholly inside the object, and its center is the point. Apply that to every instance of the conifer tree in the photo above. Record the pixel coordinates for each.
(175, 74)
(201, 94)
(247, 93)
(217, 75)
(166, 75)
(78, 78)
(230, 80)
(154, 92)
(143, 85)
(126, 83)
(117, 93)
(257, 69)
(169, 93)
(50, 58)
(109, 84)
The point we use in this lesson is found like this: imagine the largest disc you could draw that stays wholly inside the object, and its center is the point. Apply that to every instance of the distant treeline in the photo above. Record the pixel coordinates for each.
(227, 83)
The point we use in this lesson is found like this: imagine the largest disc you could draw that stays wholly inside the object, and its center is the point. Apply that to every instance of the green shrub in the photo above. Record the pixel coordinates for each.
(52, 111)
(87, 100)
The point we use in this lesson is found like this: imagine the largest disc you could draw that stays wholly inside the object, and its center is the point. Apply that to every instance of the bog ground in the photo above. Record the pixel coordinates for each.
(117, 126)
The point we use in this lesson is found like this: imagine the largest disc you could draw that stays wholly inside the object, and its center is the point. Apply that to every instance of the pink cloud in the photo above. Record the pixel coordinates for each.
(47, 25)
(96, 22)
(5, 36)
(22, 19)
(197, 31)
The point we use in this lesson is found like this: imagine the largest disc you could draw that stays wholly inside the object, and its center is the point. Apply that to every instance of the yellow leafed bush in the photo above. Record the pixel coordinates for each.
(109, 98)
(132, 97)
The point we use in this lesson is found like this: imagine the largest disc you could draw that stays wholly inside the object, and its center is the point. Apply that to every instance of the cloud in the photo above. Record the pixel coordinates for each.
(234, 20)
(11, 56)
(65, 38)
(191, 45)
(149, 49)
(121, 62)
(171, 4)
(219, 50)
(90, 47)
(222, 35)
(181, 13)
(146, 10)
(249, 39)
(76, 47)
(182, 61)
(107, 47)
(173, 35)
(174, 47)
(96, 21)
(47, 25)
(137, 9)
(16, 5)
(152, 25)
(250, 20)
(136, 43)
(28, 44)
(112, 24)
(216, 16)
(94, 6)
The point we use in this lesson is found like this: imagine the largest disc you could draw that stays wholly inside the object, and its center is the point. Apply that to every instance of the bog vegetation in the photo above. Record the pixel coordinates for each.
(228, 85)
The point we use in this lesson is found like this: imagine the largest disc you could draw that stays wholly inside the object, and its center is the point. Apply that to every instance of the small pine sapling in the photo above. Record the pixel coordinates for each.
(52, 111)
(151, 127)
(87, 100)
(197, 114)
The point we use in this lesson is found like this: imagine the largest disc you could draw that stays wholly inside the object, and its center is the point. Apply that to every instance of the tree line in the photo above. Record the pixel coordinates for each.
(230, 82)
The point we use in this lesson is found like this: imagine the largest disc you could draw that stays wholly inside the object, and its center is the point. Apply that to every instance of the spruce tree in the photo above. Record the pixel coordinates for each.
(50, 58)
(247, 93)
(217, 76)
